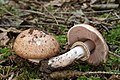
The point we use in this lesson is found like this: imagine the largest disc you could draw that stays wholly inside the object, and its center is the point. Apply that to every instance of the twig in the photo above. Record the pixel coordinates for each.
(41, 23)
(108, 15)
(11, 29)
(9, 12)
(111, 19)
(51, 14)
(52, 21)
(31, 11)
(11, 77)
(29, 26)
(114, 54)
(64, 74)
(40, 13)
(102, 11)
(2, 76)
(105, 28)
(105, 6)
(116, 15)
(57, 19)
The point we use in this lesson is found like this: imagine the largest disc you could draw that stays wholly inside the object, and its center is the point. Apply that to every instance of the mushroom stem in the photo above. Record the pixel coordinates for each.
(90, 45)
(78, 52)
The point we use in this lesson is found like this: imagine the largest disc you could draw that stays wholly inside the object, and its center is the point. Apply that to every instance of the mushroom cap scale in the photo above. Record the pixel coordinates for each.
(35, 44)
(83, 32)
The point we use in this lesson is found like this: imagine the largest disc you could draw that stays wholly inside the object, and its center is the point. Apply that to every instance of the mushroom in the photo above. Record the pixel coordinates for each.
(86, 43)
(35, 45)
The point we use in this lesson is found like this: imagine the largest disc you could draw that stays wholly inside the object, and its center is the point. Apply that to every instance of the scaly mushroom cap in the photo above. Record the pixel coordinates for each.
(83, 32)
(35, 44)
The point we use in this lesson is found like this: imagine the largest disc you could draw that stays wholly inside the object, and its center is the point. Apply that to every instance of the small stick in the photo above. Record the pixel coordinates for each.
(114, 54)
(102, 11)
(29, 26)
(9, 12)
(11, 29)
(105, 6)
(31, 11)
(11, 77)
(40, 13)
(112, 19)
(64, 74)
(51, 15)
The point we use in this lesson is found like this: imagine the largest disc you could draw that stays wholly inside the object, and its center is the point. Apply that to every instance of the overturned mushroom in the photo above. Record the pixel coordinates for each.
(34, 45)
(87, 44)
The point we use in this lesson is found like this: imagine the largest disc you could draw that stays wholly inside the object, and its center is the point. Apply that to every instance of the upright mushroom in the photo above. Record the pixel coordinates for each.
(34, 45)
(87, 44)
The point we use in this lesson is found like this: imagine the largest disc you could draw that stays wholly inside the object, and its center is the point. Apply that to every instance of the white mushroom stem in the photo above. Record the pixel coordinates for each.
(78, 52)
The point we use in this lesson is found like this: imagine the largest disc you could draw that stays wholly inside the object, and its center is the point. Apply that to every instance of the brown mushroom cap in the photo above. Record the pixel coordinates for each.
(83, 32)
(35, 44)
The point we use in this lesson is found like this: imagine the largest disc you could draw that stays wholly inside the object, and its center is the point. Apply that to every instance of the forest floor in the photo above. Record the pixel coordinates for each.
(57, 17)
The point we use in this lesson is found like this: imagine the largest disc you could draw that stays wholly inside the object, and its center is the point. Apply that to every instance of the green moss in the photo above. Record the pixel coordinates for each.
(62, 39)
(81, 67)
(27, 75)
(113, 36)
(28, 72)
(113, 59)
(5, 53)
